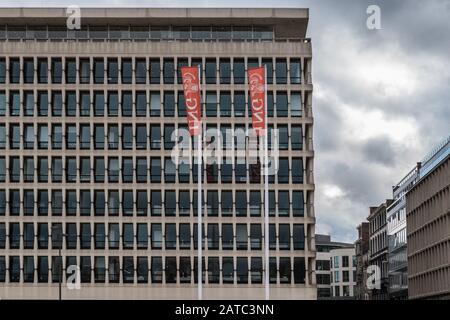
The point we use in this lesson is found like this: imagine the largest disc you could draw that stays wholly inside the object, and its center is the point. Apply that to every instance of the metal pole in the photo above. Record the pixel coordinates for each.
(199, 204)
(266, 191)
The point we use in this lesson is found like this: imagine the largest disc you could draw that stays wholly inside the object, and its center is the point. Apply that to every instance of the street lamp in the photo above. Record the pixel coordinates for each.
(57, 231)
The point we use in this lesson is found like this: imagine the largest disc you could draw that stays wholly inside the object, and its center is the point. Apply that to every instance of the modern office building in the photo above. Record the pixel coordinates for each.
(378, 248)
(428, 227)
(324, 245)
(397, 240)
(362, 261)
(343, 273)
(86, 124)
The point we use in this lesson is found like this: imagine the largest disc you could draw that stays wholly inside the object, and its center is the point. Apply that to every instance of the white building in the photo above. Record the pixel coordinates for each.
(343, 272)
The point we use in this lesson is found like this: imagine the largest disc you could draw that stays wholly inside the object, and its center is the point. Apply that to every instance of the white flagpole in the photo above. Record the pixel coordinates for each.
(199, 199)
(266, 190)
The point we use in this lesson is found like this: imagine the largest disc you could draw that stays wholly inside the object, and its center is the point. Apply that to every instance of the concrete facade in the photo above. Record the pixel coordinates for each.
(362, 261)
(428, 228)
(343, 273)
(125, 37)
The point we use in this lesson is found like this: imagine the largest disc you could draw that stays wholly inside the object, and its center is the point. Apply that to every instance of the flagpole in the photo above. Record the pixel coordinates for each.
(199, 201)
(266, 190)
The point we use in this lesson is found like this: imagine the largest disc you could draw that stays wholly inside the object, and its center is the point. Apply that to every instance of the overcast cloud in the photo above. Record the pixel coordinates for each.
(380, 97)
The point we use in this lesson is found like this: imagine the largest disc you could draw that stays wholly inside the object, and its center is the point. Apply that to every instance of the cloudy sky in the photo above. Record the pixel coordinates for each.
(381, 98)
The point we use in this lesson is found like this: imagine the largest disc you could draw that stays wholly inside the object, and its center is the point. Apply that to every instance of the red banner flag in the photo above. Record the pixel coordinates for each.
(191, 87)
(257, 84)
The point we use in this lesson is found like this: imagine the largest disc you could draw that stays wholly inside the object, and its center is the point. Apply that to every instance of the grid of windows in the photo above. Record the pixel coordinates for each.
(93, 161)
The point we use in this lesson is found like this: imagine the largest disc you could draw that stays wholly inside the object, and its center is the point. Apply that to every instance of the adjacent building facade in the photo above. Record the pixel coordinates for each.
(362, 261)
(378, 248)
(428, 227)
(88, 120)
(397, 240)
(324, 247)
(343, 273)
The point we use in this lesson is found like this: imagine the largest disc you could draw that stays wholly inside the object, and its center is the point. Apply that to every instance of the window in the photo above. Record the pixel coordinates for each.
(127, 170)
(142, 236)
(272, 237)
(155, 69)
(127, 104)
(85, 71)
(345, 263)
(225, 71)
(28, 202)
(155, 169)
(71, 202)
(113, 137)
(99, 233)
(42, 169)
(141, 104)
(127, 71)
(113, 104)
(14, 169)
(85, 202)
(14, 235)
(283, 137)
(141, 203)
(156, 270)
(2, 103)
(85, 104)
(141, 71)
(213, 236)
(127, 203)
(99, 203)
(255, 237)
(299, 237)
(299, 270)
(284, 237)
(42, 269)
(283, 203)
(295, 71)
(170, 236)
(113, 70)
(185, 236)
(56, 202)
(56, 104)
(296, 104)
(156, 236)
(227, 270)
(71, 169)
(142, 270)
(71, 70)
(282, 104)
(169, 130)
(281, 71)
(85, 269)
(141, 170)
(285, 270)
(28, 70)
(242, 269)
(42, 235)
(113, 169)
(155, 104)
(71, 236)
(225, 104)
(28, 136)
(283, 170)
(210, 71)
(256, 270)
(113, 236)
(345, 276)
(169, 104)
(99, 169)
(297, 170)
(155, 203)
(239, 104)
(14, 70)
(99, 269)
(2, 169)
(28, 237)
(28, 104)
(85, 136)
(181, 62)
(71, 104)
(296, 138)
(128, 236)
(241, 203)
(99, 104)
(14, 103)
(169, 71)
(114, 269)
(14, 269)
(241, 236)
(99, 71)
(2, 70)
(211, 104)
(297, 204)
(42, 104)
(227, 203)
(239, 71)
